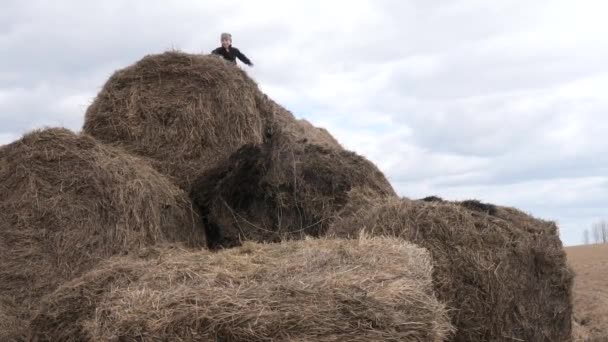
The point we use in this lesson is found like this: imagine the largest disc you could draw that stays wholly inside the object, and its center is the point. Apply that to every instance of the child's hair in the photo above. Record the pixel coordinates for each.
(226, 36)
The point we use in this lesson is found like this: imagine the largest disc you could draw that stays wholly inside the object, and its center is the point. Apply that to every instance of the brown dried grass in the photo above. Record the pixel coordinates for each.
(187, 112)
(183, 111)
(12, 321)
(285, 124)
(67, 202)
(504, 276)
(371, 289)
(280, 190)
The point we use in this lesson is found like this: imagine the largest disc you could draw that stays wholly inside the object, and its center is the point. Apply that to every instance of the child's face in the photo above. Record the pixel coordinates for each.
(226, 42)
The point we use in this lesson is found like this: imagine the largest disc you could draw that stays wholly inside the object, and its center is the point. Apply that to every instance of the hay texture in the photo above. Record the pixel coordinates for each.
(503, 276)
(67, 202)
(185, 112)
(376, 289)
(12, 322)
(280, 190)
(288, 127)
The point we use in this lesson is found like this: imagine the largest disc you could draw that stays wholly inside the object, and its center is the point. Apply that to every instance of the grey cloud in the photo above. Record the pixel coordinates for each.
(53, 40)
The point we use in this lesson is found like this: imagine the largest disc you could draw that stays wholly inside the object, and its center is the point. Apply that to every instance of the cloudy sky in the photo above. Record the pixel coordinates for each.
(503, 101)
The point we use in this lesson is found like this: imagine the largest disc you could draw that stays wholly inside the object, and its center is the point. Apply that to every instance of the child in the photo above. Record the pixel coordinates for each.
(230, 53)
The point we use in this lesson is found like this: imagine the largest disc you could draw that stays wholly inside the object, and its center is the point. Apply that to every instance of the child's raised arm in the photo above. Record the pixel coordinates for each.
(243, 58)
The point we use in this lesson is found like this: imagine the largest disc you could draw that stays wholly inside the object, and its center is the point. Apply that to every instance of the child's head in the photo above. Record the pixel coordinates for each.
(226, 39)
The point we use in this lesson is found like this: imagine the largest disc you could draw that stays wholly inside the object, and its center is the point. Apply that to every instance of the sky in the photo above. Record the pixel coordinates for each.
(502, 101)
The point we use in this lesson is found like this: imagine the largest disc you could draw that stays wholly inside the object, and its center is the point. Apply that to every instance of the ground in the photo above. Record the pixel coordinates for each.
(590, 263)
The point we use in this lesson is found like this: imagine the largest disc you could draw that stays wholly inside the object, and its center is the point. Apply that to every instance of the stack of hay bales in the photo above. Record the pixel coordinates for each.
(192, 115)
(67, 202)
(324, 290)
(82, 217)
(504, 274)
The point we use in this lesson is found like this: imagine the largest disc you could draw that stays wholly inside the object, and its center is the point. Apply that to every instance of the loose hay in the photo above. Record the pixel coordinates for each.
(11, 321)
(504, 276)
(316, 290)
(317, 135)
(183, 111)
(67, 202)
(280, 190)
(285, 124)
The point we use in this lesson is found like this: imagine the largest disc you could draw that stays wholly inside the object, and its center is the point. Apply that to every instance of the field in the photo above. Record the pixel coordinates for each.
(590, 291)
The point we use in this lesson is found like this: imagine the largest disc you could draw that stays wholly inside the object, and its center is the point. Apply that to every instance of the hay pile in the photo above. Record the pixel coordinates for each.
(67, 202)
(183, 111)
(188, 112)
(280, 190)
(504, 275)
(324, 290)
(288, 127)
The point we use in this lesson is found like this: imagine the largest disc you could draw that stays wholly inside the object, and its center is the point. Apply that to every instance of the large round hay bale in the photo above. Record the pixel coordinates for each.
(316, 290)
(67, 202)
(183, 111)
(280, 190)
(504, 276)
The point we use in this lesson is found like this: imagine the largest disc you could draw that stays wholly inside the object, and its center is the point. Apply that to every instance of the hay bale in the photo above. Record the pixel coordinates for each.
(11, 321)
(66, 314)
(315, 290)
(504, 276)
(284, 123)
(280, 190)
(318, 135)
(67, 202)
(185, 112)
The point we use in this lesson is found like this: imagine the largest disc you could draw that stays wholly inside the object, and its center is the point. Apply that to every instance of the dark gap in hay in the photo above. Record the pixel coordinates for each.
(239, 182)
(476, 205)
(432, 199)
(471, 204)
(280, 190)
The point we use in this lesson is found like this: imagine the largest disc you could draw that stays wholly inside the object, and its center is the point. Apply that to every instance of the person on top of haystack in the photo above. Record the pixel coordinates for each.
(229, 52)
